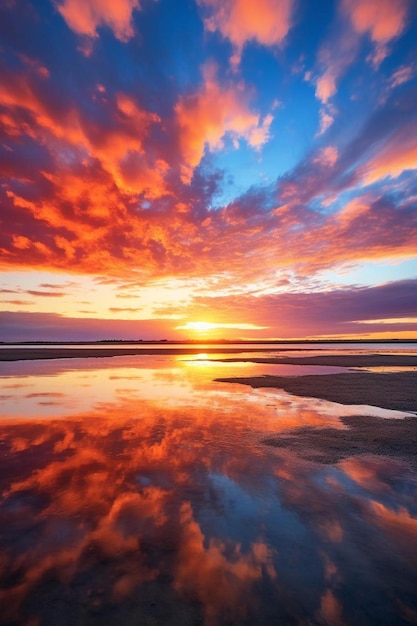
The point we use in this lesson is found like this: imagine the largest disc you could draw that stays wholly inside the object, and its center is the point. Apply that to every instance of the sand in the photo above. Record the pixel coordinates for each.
(340, 360)
(363, 435)
(33, 353)
(390, 391)
(394, 438)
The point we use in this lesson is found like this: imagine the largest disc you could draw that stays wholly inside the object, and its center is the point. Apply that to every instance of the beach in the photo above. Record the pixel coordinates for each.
(29, 353)
(133, 485)
(362, 435)
(390, 390)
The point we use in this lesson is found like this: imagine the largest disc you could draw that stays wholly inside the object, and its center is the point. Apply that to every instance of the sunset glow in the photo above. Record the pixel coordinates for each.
(231, 169)
(199, 327)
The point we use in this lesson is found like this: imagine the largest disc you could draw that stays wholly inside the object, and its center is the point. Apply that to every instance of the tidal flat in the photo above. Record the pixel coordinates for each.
(145, 489)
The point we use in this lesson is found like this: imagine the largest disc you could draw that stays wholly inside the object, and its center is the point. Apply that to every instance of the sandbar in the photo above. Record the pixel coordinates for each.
(363, 435)
(397, 391)
(340, 360)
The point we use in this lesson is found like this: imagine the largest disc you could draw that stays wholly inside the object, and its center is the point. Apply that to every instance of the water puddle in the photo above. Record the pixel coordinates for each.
(135, 490)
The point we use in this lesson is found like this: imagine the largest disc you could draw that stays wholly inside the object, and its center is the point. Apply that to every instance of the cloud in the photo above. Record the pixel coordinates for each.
(85, 16)
(124, 309)
(92, 177)
(402, 74)
(340, 311)
(29, 326)
(382, 20)
(47, 294)
(267, 22)
(76, 218)
(115, 134)
(326, 85)
(327, 156)
(398, 155)
(345, 311)
(206, 117)
(336, 54)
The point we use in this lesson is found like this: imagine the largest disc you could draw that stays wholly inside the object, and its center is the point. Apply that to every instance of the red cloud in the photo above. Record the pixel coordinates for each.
(85, 16)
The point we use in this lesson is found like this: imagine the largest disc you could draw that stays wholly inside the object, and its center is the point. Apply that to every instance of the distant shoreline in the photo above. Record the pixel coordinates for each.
(170, 342)
(40, 350)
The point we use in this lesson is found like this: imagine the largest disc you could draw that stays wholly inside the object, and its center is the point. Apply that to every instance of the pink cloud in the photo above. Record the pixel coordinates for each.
(327, 156)
(334, 58)
(402, 75)
(85, 16)
(326, 120)
(241, 21)
(398, 155)
(326, 85)
(205, 118)
(382, 20)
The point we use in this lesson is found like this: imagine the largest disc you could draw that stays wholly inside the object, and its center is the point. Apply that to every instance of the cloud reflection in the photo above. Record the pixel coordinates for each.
(141, 509)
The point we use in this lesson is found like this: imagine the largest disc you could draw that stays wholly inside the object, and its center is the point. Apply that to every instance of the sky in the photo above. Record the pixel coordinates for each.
(205, 169)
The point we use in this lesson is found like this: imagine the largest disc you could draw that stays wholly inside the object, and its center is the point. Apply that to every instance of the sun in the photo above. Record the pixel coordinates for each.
(200, 327)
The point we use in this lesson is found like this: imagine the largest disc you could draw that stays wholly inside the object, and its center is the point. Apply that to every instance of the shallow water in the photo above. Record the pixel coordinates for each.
(135, 490)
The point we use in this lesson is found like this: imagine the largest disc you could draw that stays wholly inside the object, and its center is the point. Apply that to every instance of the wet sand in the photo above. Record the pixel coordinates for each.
(33, 353)
(397, 391)
(340, 360)
(363, 435)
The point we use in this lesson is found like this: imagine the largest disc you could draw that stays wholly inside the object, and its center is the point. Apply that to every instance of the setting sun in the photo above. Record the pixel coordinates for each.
(205, 327)
(200, 327)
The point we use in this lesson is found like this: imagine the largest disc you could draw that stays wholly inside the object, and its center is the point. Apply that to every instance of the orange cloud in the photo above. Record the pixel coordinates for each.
(266, 21)
(222, 581)
(205, 118)
(117, 144)
(85, 16)
(331, 609)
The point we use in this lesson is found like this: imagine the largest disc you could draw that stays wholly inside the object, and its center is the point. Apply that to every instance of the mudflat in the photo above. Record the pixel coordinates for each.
(32, 353)
(361, 435)
(397, 391)
(339, 360)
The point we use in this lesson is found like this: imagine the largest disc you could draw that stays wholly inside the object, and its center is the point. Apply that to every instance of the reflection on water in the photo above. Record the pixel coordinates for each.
(136, 491)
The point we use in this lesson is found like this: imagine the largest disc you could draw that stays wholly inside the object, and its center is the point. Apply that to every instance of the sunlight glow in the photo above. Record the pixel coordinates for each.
(204, 327)
(200, 327)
